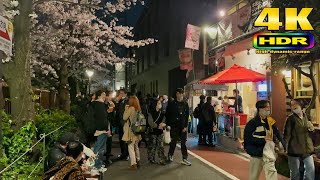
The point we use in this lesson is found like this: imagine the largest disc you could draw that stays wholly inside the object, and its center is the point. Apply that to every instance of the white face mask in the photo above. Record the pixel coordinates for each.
(265, 113)
(298, 110)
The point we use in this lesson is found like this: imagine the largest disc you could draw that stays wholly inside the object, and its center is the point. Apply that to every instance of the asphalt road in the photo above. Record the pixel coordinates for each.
(173, 171)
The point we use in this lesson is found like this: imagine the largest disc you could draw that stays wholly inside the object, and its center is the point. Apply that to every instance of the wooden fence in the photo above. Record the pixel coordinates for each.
(46, 99)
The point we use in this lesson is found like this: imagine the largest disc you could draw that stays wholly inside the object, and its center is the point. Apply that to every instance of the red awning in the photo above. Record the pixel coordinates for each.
(234, 74)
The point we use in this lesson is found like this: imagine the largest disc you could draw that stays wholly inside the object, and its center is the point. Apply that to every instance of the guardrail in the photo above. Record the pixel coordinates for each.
(42, 137)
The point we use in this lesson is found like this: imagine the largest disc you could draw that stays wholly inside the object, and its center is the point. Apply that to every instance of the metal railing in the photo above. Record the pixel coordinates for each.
(42, 137)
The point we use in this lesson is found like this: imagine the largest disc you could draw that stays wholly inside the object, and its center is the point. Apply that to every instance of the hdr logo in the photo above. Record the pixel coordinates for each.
(288, 40)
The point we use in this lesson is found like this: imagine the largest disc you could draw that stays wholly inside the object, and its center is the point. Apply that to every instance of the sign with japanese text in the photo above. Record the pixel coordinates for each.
(6, 30)
(192, 37)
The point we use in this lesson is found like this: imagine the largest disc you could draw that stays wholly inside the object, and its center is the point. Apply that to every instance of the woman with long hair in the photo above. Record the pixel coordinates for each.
(299, 142)
(132, 139)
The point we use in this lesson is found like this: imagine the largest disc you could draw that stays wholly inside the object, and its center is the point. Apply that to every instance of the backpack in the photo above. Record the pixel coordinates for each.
(207, 116)
(139, 124)
(196, 112)
(88, 121)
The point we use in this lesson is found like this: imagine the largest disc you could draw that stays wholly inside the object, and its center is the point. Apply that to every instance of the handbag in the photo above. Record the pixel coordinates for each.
(166, 136)
(151, 123)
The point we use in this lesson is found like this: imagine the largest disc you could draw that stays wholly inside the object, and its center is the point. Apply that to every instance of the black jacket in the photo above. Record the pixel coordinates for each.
(100, 115)
(120, 108)
(177, 114)
(157, 117)
(208, 110)
(55, 155)
(255, 133)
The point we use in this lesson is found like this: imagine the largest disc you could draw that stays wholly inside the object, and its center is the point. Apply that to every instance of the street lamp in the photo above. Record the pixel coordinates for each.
(90, 74)
(222, 13)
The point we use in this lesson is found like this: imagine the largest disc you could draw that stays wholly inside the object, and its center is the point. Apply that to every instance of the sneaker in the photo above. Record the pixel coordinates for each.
(186, 162)
(127, 158)
(133, 167)
(170, 158)
(162, 162)
(103, 169)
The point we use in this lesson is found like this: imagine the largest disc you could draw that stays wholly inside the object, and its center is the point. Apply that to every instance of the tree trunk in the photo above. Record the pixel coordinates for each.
(64, 97)
(17, 72)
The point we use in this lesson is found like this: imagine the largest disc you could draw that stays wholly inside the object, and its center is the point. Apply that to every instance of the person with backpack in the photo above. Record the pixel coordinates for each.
(300, 145)
(200, 127)
(177, 114)
(209, 116)
(130, 118)
(156, 125)
(258, 132)
(101, 127)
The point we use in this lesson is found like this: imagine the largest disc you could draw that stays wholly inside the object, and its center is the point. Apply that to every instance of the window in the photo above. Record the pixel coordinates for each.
(157, 90)
(149, 56)
(167, 44)
(156, 55)
(142, 62)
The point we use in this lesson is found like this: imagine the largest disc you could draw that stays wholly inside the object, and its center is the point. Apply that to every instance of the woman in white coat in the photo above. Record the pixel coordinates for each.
(132, 139)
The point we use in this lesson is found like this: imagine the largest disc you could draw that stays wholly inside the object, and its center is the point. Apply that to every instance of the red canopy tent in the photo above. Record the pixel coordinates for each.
(234, 74)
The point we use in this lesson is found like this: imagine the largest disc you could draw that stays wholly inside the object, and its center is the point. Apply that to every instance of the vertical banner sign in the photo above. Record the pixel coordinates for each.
(192, 37)
(185, 56)
(6, 30)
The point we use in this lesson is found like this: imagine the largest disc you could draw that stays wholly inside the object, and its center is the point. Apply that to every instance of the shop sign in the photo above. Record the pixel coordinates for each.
(192, 37)
(6, 31)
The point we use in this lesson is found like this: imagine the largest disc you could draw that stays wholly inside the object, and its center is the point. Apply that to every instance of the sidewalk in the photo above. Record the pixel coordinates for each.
(231, 165)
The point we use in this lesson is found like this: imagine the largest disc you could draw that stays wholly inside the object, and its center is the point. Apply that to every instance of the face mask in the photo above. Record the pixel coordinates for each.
(297, 110)
(265, 113)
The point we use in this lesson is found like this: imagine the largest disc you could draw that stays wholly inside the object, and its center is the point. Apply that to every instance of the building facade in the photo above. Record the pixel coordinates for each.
(157, 66)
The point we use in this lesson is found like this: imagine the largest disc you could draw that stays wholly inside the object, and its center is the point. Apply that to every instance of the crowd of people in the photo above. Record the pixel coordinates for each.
(108, 115)
(68, 159)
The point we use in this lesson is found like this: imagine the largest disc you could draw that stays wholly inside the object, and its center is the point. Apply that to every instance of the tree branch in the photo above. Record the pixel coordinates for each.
(65, 1)
(314, 87)
(286, 87)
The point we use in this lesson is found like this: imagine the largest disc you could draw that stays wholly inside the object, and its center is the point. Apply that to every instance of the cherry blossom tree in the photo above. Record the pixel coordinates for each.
(69, 38)
(60, 47)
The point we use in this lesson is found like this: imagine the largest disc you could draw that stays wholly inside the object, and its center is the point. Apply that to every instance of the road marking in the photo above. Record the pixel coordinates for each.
(228, 175)
(241, 157)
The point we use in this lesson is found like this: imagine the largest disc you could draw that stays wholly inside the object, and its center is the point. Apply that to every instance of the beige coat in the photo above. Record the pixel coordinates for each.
(128, 135)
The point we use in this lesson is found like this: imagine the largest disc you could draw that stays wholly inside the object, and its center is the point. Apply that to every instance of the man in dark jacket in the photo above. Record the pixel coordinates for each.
(102, 131)
(258, 131)
(177, 115)
(197, 114)
(122, 100)
(209, 117)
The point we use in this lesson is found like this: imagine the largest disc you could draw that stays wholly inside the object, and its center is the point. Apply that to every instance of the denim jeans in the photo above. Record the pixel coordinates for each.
(100, 147)
(294, 165)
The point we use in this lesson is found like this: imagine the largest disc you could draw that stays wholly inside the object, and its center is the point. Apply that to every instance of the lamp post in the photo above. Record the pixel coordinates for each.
(90, 74)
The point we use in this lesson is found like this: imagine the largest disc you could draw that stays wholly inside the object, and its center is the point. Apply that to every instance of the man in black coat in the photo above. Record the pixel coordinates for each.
(122, 100)
(177, 115)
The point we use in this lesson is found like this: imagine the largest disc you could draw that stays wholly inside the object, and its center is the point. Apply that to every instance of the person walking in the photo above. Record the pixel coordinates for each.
(300, 145)
(156, 125)
(177, 114)
(258, 131)
(128, 136)
(122, 101)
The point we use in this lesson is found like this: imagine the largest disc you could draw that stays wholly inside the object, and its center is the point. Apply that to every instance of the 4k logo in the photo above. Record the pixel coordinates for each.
(289, 40)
